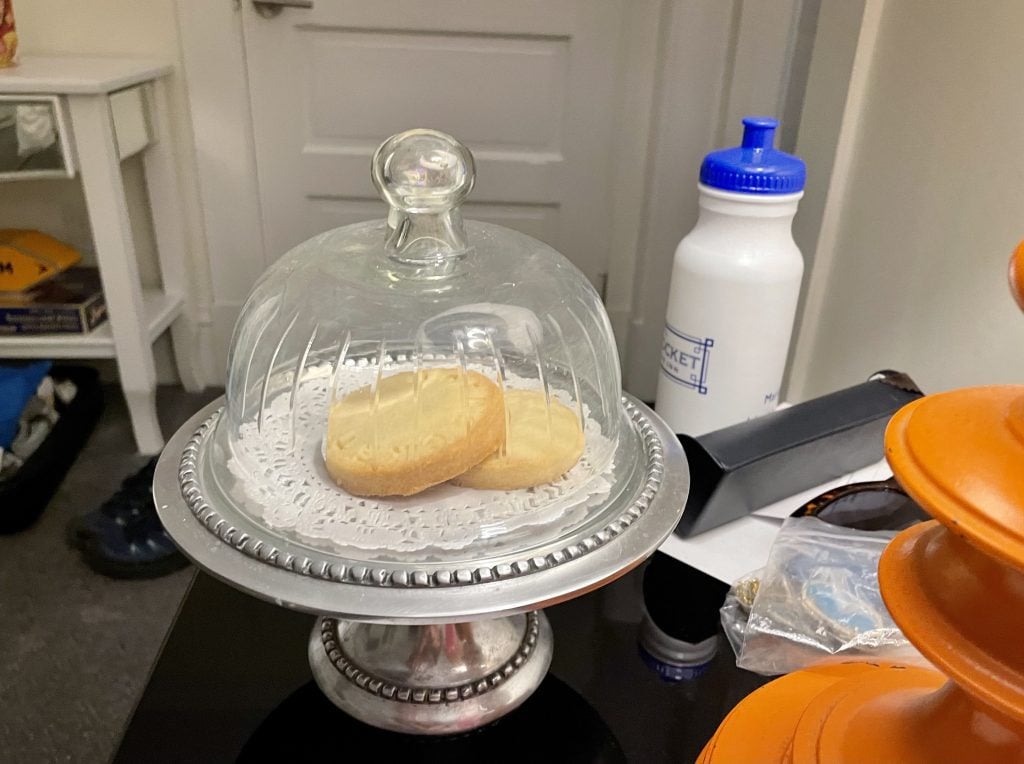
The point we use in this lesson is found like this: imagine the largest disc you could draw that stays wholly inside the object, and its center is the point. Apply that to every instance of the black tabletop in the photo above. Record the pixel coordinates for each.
(232, 684)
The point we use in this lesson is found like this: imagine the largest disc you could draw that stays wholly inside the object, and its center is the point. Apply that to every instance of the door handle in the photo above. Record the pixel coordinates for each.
(268, 9)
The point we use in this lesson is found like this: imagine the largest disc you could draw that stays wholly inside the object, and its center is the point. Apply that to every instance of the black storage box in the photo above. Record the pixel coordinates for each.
(738, 469)
(24, 496)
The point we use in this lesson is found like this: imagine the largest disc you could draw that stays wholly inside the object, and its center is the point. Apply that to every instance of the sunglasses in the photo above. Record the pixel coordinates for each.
(873, 506)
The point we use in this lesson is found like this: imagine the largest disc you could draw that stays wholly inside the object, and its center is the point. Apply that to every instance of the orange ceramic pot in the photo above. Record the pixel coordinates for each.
(955, 586)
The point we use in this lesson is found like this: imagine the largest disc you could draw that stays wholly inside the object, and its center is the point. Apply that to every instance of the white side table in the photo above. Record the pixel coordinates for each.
(108, 109)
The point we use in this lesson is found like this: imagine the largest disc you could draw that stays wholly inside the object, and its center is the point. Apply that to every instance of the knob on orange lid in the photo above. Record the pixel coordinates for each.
(1017, 274)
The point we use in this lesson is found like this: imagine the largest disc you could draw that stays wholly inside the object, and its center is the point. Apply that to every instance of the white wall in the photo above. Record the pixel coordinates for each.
(930, 209)
(137, 29)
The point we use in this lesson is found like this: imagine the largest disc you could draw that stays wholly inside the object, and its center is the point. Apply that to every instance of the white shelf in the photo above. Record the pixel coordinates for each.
(34, 74)
(160, 310)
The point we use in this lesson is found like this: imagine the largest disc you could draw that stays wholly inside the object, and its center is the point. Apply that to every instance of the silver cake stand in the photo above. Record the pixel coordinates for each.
(410, 647)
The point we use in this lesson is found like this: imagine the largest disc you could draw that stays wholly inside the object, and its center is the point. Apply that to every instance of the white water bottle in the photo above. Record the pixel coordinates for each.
(735, 283)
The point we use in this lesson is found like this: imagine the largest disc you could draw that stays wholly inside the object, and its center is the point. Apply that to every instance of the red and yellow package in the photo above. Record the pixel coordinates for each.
(8, 37)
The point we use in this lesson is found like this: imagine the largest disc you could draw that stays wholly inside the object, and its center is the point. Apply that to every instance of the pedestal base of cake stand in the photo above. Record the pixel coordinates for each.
(430, 679)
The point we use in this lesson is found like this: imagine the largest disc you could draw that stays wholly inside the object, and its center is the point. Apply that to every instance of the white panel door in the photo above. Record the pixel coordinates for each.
(529, 85)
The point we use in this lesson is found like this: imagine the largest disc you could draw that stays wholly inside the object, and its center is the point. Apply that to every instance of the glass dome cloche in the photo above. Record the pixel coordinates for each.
(412, 387)
(424, 441)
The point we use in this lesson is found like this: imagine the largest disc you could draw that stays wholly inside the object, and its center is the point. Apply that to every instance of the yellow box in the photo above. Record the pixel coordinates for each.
(28, 257)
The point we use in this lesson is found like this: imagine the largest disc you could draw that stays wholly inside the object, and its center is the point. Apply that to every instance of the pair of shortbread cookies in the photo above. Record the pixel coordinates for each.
(414, 430)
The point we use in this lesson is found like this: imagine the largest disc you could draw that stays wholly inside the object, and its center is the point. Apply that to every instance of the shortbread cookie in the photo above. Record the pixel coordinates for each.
(417, 429)
(538, 450)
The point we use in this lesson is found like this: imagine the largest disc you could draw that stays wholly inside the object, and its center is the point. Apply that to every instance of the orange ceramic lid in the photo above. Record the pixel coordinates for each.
(960, 455)
(760, 728)
(862, 720)
(963, 609)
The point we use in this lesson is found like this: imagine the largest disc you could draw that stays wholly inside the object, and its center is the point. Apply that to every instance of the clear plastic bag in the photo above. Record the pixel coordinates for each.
(816, 599)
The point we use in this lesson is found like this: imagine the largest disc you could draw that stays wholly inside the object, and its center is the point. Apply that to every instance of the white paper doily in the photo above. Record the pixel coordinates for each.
(288, 489)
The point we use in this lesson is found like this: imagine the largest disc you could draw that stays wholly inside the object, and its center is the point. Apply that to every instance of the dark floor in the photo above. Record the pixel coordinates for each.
(75, 647)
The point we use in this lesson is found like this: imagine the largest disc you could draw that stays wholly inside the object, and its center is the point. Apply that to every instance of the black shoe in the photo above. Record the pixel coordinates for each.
(140, 548)
(133, 499)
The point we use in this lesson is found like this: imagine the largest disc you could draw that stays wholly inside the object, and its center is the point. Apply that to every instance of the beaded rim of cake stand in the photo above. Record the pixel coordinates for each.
(353, 572)
(331, 642)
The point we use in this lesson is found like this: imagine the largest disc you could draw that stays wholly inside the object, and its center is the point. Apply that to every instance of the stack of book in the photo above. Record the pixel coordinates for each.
(43, 291)
(71, 301)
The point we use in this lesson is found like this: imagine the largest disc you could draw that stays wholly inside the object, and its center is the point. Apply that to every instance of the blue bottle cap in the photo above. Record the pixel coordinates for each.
(671, 673)
(755, 167)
